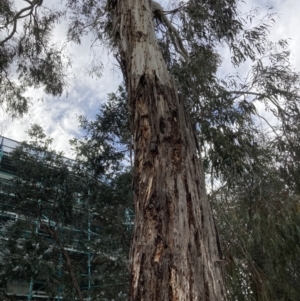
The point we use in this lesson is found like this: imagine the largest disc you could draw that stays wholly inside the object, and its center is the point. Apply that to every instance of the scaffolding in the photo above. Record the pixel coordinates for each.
(70, 237)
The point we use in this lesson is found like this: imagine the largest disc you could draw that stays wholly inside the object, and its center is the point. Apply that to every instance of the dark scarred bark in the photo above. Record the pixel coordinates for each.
(175, 252)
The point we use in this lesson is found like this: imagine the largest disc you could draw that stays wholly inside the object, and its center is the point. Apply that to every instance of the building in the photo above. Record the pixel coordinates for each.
(57, 244)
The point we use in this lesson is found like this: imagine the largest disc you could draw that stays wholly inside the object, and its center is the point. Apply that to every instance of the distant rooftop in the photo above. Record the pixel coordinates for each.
(7, 145)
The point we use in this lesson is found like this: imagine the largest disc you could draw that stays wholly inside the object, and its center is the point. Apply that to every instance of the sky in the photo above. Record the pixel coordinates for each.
(59, 116)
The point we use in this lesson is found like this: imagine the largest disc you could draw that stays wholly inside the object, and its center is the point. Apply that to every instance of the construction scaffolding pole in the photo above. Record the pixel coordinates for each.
(89, 248)
(29, 297)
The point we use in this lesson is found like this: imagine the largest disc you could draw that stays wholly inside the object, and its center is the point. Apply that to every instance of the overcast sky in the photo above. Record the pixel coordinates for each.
(58, 116)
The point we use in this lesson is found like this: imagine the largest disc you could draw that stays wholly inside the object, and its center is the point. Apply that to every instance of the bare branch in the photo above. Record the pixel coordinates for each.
(247, 92)
(19, 15)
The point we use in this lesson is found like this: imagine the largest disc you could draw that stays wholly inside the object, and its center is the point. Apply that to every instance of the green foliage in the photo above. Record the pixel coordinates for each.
(223, 108)
(108, 140)
(29, 54)
(257, 203)
(63, 216)
(259, 222)
(257, 200)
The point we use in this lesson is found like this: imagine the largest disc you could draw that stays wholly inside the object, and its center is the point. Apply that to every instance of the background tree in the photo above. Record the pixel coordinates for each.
(68, 221)
(258, 217)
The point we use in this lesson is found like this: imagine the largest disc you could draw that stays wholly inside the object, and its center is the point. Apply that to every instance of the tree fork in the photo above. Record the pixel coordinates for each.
(175, 252)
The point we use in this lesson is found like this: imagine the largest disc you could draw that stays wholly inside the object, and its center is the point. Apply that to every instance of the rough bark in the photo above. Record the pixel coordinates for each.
(175, 253)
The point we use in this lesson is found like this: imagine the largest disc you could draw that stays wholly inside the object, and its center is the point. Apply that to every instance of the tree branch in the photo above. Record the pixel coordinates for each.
(246, 92)
(53, 233)
(18, 16)
(173, 11)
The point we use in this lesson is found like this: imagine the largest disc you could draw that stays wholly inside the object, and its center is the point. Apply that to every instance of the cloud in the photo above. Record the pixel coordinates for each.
(58, 116)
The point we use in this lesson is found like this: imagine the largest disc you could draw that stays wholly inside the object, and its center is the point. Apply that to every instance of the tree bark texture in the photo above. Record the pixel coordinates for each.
(175, 253)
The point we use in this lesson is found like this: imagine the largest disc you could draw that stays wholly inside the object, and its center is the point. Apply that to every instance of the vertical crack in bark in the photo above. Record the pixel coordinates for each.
(191, 274)
(189, 203)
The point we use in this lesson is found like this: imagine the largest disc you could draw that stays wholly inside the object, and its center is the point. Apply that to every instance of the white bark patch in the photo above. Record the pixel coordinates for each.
(159, 252)
(177, 292)
(149, 189)
(136, 270)
(146, 58)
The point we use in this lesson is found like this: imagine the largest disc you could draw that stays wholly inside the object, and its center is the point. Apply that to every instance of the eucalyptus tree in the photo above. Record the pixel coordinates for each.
(175, 252)
(258, 218)
(174, 98)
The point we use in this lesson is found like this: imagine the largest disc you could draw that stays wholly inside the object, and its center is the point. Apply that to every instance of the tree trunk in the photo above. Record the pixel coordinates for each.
(175, 253)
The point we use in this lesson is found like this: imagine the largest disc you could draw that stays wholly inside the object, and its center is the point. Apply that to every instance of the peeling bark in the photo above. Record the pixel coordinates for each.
(174, 254)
